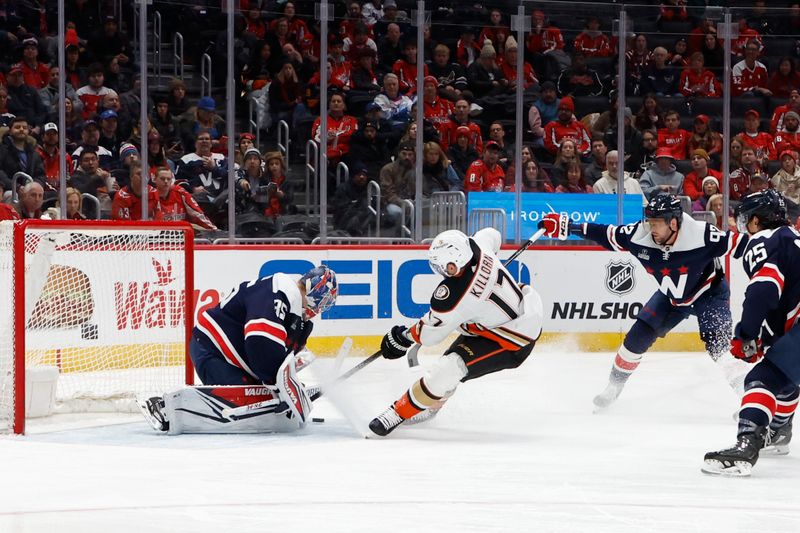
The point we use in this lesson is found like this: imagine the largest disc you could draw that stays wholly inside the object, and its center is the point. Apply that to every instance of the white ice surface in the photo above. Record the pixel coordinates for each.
(515, 451)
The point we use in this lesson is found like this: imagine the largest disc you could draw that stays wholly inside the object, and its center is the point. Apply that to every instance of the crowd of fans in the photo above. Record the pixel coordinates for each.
(672, 113)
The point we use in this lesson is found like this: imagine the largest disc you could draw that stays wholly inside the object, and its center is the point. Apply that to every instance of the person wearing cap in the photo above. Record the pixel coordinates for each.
(692, 185)
(49, 93)
(789, 137)
(350, 204)
(461, 118)
(698, 81)
(204, 118)
(406, 67)
(566, 126)
(90, 137)
(662, 177)
(749, 76)
(395, 107)
(48, 151)
(437, 109)
(709, 187)
(591, 42)
(468, 49)
(245, 143)
(368, 148)
(462, 151)
(486, 174)
(508, 66)
(450, 75)
(35, 74)
(109, 136)
(483, 76)
(547, 103)
(672, 137)
(762, 142)
(127, 154)
(161, 119)
(17, 154)
(776, 124)
(704, 137)
(787, 180)
(252, 182)
(24, 101)
(545, 38)
(740, 180)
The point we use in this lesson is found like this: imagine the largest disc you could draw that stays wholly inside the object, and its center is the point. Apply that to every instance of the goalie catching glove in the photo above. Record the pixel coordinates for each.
(558, 226)
(297, 334)
(396, 343)
(750, 351)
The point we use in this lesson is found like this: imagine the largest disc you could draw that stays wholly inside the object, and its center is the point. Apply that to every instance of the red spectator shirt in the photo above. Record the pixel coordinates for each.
(510, 72)
(548, 39)
(339, 75)
(785, 140)
(51, 166)
(675, 141)
(555, 132)
(693, 185)
(777, 117)
(739, 44)
(438, 113)
(598, 46)
(36, 77)
(407, 76)
(8, 213)
(704, 85)
(496, 34)
(128, 206)
(482, 178)
(475, 137)
(343, 128)
(739, 182)
(763, 143)
(744, 79)
(179, 205)
(461, 52)
(91, 99)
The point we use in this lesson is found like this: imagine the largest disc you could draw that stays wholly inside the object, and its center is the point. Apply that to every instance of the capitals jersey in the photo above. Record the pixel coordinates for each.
(251, 326)
(772, 298)
(686, 269)
(484, 301)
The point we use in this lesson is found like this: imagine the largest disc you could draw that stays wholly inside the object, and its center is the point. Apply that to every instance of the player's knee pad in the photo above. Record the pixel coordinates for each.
(768, 376)
(445, 374)
(640, 337)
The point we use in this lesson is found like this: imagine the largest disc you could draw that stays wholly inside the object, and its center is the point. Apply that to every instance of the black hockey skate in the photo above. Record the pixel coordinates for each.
(777, 441)
(737, 460)
(386, 422)
(153, 411)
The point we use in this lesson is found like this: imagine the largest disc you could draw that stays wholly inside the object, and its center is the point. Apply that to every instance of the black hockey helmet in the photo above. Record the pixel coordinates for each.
(769, 205)
(666, 207)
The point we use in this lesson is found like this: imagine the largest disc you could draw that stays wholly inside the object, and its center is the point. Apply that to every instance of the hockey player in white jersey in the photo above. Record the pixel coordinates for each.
(498, 320)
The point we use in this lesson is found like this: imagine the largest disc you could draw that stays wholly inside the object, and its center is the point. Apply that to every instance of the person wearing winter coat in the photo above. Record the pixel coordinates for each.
(662, 177)
(607, 184)
(368, 148)
(787, 181)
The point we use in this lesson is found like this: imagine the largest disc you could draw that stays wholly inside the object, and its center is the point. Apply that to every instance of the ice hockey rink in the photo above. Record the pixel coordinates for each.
(516, 451)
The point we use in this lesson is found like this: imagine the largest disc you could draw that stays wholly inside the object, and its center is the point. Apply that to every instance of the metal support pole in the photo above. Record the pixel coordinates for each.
(622, 32)
(230, 120)
(420, 24)
(62, 115)
(144, 123)
(521, 23)
(322, 175)
(728, 32)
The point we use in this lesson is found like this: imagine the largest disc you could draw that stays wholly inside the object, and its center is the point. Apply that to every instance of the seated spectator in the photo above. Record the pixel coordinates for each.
(91, 179)
(175, 203)
(176, 97)
(390, 48)
(90, 138)
(166, 125)
(7, 212)
(74, 204)
(29, 205)
(112, 102)
(49, 94)
(650, 116)
(709, 187)
(497, 133)
(496, 31)
(459, 118)
(632, 139)
(437, 172)
(575, 183)
(789, 137)
(776, 124)
(703, 137)
(486, 174)
(679, 57)
(483, 76)
(91, 95)
(713, 52)
(108, 42)
(354, 46)
(204, 172)
(280, 191)
(697, 81)
(526, 154)
(255, 25)
(127, 203)
(739, 181)
(19, 155)
(451, 76)
(579, 80)
(51, 159)
(341, 128)
(437, 109)
(715, 205)
(350, 204)
(24, 101)
(252, 182)
(784, 80)
(157, 154)
(591, 42)
(362, 75)
(369, 149)
(256, 77)
(116, 77)
(672, 138)
(787, 180)
(749, 76)
(74, 125)
(659, 77)
(535, 178)
(406, 68)
(607, 184)
(637, 58)
(109, 138)
(597, 164)
(746, 36)
(762, 142)
(567, 154)
(566, 126)
(508, 66)
(467, 48)
(35, 74)
(386, 131)
(662, 177)
(548, 103)
(642, 158)
(74, 71)
(692, 185)
(204, 117)
(395, 107)
(462, 152)
(286, 97)
(546, 44)
(398, 183)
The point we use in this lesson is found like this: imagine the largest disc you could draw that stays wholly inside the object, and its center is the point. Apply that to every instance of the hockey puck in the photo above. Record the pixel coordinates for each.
(318, 420)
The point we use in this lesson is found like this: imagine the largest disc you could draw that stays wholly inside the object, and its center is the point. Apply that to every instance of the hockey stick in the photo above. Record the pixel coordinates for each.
(533, 238)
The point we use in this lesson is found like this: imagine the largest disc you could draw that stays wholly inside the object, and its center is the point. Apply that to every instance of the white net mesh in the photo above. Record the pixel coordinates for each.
(106, 307)
(6, 325)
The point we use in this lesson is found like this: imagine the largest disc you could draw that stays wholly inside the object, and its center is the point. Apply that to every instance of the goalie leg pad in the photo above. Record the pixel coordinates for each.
(292, 391)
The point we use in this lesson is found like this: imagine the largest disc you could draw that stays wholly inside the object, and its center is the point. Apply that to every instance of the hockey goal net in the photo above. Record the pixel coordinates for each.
(99, 311)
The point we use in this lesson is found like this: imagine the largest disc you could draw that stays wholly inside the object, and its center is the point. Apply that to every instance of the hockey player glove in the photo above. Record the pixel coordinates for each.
(750, 351)
(558, 226)
(297, 333)
(396, 343)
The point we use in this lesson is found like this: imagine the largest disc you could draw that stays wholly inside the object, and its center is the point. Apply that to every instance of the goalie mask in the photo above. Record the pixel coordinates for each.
(450, 246)
(321, 290)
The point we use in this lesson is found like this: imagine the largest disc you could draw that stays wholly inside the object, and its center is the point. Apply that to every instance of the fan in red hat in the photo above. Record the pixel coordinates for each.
(437, 110)
(566, 125)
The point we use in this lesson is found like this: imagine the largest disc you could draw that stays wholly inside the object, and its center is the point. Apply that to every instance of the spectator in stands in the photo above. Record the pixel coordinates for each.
(91, 179)
(535, 178)
(508, 66)
(546, 44)
(467, 48)
(714, 205)
(662, 177)
(607, 184)
(161, 119)
(398, 183)
(91, 95)
(713, 53)
(362, 76)
(497, 133)
(109, 43)
(406, 68)
(650, 116)
(483, 76)
(548, 102)
(437, 110)
(604, 121)
(567, 154)
(90, 138)
(174, 203)
(280, 190)
(386, 132)
(246, 141)
(735, 154)
(591, 42)
(597, 164)
(706, 26)
(672, 137)
(127, 203)
(486, 174)
(636, 60)
(707, 139)
(575, 182)
(659, 77)
(437, 172)
(341, 128)
(697, 81)
(632, 140)
(459, 118)
(176, 97)
(74, 124)
(109, 138)
(579, 80)
(203, 171)
(116, 77)
(776, 124)
(112, 102)
(390, 48)
(784, 80)
(31, 199)
(692, 185)
(709, 187)
(368, 148)
(350, 205)
(640, 160)
(204, 118)
(75, 74)
(35, 74)
(4, 103)
(391, 15)
(49, 94)
(749, 76)
(360, 41)
(74, 205)
(395, 107)
(496, 31)
(679, 57)
(672, 10)
(740, 180)
(252, 181)
(789, 137)
(763, 21)
(256, 77)
(51, 159)
(566, 126)
(19, 155)
(462, 152)
(157, 154)
(787, 179)
(746, 36)
(526, 154)
(286, 97)
(762, 142)
(128, 153)
(24, 101)
(372, 12)
(254, 24)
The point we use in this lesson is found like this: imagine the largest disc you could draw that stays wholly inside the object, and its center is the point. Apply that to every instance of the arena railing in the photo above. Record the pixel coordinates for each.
(374, 204)
(177, 55)
(488, 218)
(205, 75)
(312, 159)
(284, 139)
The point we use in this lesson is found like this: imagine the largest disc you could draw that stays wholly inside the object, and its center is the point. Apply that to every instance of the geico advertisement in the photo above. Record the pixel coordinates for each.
(582, 290)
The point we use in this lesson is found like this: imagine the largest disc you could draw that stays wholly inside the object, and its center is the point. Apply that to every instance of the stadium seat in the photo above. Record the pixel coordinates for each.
(684, 166)
(740, 104)
(707, 106)
(590, 104)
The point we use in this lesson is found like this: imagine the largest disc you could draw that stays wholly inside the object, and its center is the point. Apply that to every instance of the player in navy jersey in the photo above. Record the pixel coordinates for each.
(768, 333)
(682, 254)
(251, 339)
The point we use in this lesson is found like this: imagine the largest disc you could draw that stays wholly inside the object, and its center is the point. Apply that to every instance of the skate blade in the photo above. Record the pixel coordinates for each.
(154, 422)
(773, 451)
(716, 468)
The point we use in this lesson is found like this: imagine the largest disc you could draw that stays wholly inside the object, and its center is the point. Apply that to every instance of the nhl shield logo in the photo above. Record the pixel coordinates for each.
(619, 277)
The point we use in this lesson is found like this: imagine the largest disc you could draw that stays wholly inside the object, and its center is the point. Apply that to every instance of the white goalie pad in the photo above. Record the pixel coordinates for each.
(291, 390)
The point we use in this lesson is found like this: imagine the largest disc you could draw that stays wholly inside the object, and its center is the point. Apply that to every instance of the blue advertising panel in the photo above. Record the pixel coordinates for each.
(597, 208)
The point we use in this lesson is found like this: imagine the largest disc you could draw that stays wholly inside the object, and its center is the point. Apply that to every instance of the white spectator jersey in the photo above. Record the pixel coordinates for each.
(483, 301)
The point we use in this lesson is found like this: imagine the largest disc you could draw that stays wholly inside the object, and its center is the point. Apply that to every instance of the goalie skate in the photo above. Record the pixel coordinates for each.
(153, 411)
(736, 461)
(609, 395)
(777, 441)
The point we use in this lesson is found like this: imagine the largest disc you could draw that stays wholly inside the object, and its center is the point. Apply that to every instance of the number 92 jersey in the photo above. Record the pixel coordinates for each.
(772, 298)
(484, 301)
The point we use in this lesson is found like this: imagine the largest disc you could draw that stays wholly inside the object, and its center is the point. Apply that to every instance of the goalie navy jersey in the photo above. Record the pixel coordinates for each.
(251, 325)
(772, 298)
(686, 269)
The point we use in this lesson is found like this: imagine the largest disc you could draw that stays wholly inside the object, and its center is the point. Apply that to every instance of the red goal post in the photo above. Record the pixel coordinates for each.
(104, 308)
